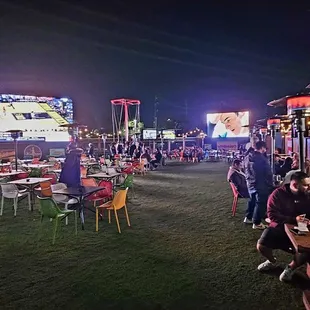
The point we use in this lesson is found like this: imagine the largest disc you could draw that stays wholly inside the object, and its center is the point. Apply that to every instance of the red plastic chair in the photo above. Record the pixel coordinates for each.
(96, 196)
(35, 161)
(128, 170)
(22, 175)
(52, 176)
(5, 169)
(107, 192)
(236, 195)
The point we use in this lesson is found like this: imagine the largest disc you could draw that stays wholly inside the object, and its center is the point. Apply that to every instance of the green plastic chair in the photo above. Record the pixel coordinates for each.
(50, 209)
(128, 183)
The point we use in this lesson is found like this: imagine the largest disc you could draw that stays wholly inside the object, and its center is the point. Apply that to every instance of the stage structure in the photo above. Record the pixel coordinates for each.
(125, 112)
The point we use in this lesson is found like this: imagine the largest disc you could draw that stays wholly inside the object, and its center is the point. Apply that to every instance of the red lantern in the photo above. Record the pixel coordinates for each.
(273, 123)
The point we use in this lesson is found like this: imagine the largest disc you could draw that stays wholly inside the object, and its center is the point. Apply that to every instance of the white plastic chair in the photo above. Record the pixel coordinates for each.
(10, 191)
(59, 198)
(108, 162)
(111, 170)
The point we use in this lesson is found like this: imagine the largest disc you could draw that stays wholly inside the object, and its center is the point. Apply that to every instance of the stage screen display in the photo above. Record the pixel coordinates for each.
(228, 125)
(168, 134)
(149, 134)
(38, 117)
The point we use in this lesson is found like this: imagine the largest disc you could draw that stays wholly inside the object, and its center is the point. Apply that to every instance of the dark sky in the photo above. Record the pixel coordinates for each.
(206, 53)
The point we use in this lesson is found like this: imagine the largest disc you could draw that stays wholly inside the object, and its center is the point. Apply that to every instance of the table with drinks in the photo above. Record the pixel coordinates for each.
(301, 242)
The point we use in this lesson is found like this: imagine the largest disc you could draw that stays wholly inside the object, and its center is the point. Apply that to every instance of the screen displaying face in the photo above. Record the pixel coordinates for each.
(38, 118)
(228, 125)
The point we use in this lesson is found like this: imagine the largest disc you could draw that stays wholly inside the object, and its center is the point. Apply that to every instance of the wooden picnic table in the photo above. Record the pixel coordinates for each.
(301, 245)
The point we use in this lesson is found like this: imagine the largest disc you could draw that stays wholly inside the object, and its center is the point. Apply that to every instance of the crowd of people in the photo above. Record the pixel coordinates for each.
(271, 206)
(189, 154)
(132, 150)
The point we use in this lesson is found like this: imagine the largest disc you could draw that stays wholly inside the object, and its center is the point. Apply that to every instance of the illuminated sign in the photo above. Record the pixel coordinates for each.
(273, 123)
(149, 134)
(168, 134)
(228, 124)
(298, 103)
(37, 117)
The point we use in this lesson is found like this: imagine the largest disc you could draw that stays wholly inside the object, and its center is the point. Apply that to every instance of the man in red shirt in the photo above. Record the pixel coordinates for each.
(286, 205)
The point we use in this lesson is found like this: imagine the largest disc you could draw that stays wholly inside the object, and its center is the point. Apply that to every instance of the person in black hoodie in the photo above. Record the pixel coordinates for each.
(286, 167)
(260, 182)
(237, 177)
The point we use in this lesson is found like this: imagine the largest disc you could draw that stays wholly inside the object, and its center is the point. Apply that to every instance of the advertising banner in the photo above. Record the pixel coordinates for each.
(227, 145)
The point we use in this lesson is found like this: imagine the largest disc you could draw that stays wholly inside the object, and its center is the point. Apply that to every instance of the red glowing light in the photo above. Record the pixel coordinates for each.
(298, 103)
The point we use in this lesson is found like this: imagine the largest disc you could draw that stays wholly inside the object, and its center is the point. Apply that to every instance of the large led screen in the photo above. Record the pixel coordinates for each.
(38, 117)
(149, 134)
(228, 125)
(168, 134)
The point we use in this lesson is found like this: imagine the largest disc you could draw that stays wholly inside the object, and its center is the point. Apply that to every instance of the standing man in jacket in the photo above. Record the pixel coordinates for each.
(260, 183)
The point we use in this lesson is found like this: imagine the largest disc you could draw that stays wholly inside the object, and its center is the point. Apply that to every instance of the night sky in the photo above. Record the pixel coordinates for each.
(211, 55)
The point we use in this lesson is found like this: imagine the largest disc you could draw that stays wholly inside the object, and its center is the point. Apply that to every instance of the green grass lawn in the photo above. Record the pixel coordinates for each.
(183, 251)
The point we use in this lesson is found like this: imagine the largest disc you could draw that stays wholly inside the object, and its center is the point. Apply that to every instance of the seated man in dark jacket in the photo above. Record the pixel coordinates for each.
(237, 177)
(286, 205)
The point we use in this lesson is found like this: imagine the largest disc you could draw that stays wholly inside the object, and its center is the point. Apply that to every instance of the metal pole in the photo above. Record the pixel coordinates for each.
(126, 121)
(273, 146)
(15, 142)
(300, 123)
(104, 146)
(113, 121)
(155, 112)
(169, 146)
(183, 142)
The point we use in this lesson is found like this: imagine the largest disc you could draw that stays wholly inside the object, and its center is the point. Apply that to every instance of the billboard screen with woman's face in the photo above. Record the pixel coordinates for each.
(228, 125)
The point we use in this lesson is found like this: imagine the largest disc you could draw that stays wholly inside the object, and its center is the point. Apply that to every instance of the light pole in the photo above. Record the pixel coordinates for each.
(184, 137)
(104, 139)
